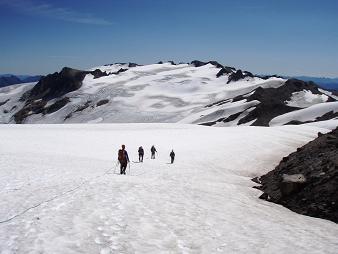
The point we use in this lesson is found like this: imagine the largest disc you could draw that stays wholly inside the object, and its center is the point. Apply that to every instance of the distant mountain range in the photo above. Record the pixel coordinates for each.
(10, 79)
(327, 83)
(205, 93)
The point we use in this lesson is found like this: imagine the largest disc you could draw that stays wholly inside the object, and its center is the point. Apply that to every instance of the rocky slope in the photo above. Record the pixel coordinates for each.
(206, 93)
(306, 181)
(274, 101)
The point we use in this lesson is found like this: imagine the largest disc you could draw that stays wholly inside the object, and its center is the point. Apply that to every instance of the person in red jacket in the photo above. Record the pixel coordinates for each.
(123, 159)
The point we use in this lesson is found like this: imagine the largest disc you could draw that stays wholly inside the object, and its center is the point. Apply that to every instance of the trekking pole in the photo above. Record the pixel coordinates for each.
(129, 169)
(117, 163)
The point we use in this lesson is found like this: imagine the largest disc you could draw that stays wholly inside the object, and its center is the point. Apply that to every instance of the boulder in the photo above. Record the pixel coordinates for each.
(292, 183)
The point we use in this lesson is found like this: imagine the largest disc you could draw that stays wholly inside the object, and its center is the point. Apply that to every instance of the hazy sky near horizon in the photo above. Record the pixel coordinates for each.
(265, 37)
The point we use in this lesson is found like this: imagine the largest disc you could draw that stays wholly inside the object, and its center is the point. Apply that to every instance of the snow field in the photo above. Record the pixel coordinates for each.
(305, 114)
(59, 193)
(306, 98)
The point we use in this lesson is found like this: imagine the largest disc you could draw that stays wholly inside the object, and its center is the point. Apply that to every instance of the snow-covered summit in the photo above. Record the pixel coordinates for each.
(199, 92)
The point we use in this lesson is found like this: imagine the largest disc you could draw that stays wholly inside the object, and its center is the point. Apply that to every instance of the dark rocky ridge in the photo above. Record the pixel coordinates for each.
(97, 73)
(198, 63)
(52, 86)
(223, 71)
(224, 119)
(38, 107)
(272, 103)
(170, 61)
(269, 76)
(326, 116)
(130, 65)
(235, 76)
(57, 84)
(306, 181)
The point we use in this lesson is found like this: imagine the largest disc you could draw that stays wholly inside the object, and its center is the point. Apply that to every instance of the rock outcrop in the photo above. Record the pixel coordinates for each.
(272, 101)
(197, 63)
(306, 181)
(238, 75)
(57, 84)
(52, 86)
(224, 71)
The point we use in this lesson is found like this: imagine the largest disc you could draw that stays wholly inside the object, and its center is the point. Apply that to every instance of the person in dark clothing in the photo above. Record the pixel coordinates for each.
(140, 154)
(153, 151)
(123, 159)
(172, 156)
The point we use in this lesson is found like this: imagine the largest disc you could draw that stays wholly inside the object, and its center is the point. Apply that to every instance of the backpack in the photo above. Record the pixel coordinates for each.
(121, 155)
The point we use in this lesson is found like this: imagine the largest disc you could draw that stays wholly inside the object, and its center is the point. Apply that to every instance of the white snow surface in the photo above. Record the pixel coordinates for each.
(59, 193)
(328, 93)
(306, 114)
(306, 98)
(12, 95)
(220, 111)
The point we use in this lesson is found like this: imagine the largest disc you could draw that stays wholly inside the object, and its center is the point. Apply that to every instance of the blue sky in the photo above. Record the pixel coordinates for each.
(298, 37)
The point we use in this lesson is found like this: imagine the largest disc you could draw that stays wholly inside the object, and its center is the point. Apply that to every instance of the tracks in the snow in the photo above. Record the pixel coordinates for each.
(53, 198)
